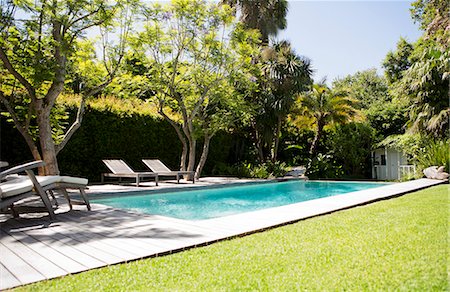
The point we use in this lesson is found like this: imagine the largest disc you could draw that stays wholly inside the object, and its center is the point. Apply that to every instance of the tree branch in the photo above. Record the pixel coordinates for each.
(22, 130)
(74, 127)
(30, 89)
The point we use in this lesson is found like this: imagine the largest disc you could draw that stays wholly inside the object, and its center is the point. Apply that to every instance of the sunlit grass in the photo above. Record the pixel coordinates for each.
(399, 244)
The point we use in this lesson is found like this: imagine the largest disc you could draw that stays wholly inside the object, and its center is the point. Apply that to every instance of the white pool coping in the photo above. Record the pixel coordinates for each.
(267, 218)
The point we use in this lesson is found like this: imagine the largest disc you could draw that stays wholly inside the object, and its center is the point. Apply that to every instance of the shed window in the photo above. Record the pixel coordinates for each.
(383, 159)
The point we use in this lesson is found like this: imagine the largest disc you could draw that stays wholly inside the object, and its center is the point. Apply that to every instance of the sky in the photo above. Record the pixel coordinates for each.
(344, 37)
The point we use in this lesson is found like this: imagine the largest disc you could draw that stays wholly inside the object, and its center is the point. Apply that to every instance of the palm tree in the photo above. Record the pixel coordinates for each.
(284, 76)
(324, 106)
(268, 16)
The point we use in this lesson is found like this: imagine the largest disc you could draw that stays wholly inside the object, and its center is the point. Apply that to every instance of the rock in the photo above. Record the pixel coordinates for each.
(296, 171)
(434, 172)
(441, 169)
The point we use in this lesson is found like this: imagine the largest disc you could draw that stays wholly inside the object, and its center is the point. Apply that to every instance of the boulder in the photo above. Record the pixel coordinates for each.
(434, 172)
(297, 171)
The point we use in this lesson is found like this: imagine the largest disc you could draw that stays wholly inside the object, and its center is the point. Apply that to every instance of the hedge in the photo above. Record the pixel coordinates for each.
(104, 134)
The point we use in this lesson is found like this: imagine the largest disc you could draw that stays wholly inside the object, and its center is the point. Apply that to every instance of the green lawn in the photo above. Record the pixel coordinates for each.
(399, 244)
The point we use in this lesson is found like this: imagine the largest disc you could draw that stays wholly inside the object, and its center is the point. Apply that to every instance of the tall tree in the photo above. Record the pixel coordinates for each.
(398, 61)
(195, 52)
(268, 16)
(325, 106)
(38, 47)
(384, 113)
(284, 74)
(424, 83)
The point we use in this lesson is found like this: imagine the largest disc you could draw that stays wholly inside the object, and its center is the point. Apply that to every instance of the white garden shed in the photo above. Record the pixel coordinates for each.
(390, 164)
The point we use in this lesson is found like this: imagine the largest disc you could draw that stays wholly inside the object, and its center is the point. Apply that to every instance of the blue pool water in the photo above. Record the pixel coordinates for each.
(218, 202)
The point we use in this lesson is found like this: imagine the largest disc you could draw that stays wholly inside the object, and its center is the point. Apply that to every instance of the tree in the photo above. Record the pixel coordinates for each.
(284, 75)
(268, 16)
(195, 52)
(38, 49)
(385, 114)
(398, 61)
(424, 83)
(325, 106)
(351, 145)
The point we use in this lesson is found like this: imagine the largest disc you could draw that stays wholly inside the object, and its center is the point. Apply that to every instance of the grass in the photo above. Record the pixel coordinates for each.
(399, 244)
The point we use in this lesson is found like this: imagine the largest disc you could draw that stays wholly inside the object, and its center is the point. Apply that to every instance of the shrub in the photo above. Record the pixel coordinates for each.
(351, 146)
(263, 170)
(324, 166)
(436, 152)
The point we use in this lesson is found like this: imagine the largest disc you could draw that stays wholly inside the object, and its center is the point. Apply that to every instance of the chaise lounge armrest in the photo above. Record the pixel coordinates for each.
(21, 168)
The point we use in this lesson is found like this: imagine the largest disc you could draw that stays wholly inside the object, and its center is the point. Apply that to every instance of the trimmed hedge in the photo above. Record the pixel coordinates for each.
(104, 134)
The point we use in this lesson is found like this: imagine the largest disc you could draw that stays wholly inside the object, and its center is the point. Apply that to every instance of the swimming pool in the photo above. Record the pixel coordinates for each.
(200, 204)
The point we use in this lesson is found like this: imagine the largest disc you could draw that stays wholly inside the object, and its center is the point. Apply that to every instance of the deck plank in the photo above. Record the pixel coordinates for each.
(58, 256)
(33, 258)
(21, 270)
(73, 246)
(7, 279)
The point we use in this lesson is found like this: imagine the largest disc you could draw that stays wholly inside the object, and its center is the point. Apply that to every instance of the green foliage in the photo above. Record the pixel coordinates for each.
(325, 107)
(43, 53)
(387, 117)
(422, 70)
(430, 14)
(294, 145)
(365, 86)
(340, 251)
(128, 129)
(426, 84)
(248, 170)
(268, 169)
(385, 114)
(105, 134)
(351, 146)
(398, 61)
(283, 75)
(187, 59)
(324, 166)
(267, 16)
(435, 153)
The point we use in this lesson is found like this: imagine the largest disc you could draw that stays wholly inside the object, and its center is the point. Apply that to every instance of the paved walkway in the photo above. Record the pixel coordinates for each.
(34, 249)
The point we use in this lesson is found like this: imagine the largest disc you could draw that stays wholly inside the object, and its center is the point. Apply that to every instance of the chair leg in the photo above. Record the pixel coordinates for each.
(53, 197)
(38, 189)
(14, 211)
(137, 180)
(156, 180)
(47, 204)
(66, 195)
(85, 198)
(178, 178)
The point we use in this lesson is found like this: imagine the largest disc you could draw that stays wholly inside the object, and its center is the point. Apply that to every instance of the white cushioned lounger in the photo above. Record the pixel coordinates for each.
(16, 187)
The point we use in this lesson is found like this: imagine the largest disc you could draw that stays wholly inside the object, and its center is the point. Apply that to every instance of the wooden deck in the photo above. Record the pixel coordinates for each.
(34, 249)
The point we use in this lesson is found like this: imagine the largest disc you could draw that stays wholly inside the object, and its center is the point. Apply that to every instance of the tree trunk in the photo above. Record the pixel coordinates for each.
(189, 133)
(47, 144)
(204, 156)
(317, 136)
(274, 150)
(192, 149)
(181, 137)
(259, 145)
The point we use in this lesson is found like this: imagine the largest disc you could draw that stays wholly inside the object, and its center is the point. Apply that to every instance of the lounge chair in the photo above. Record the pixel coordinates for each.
(15, 187)
(162, 170)
(120, 170)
